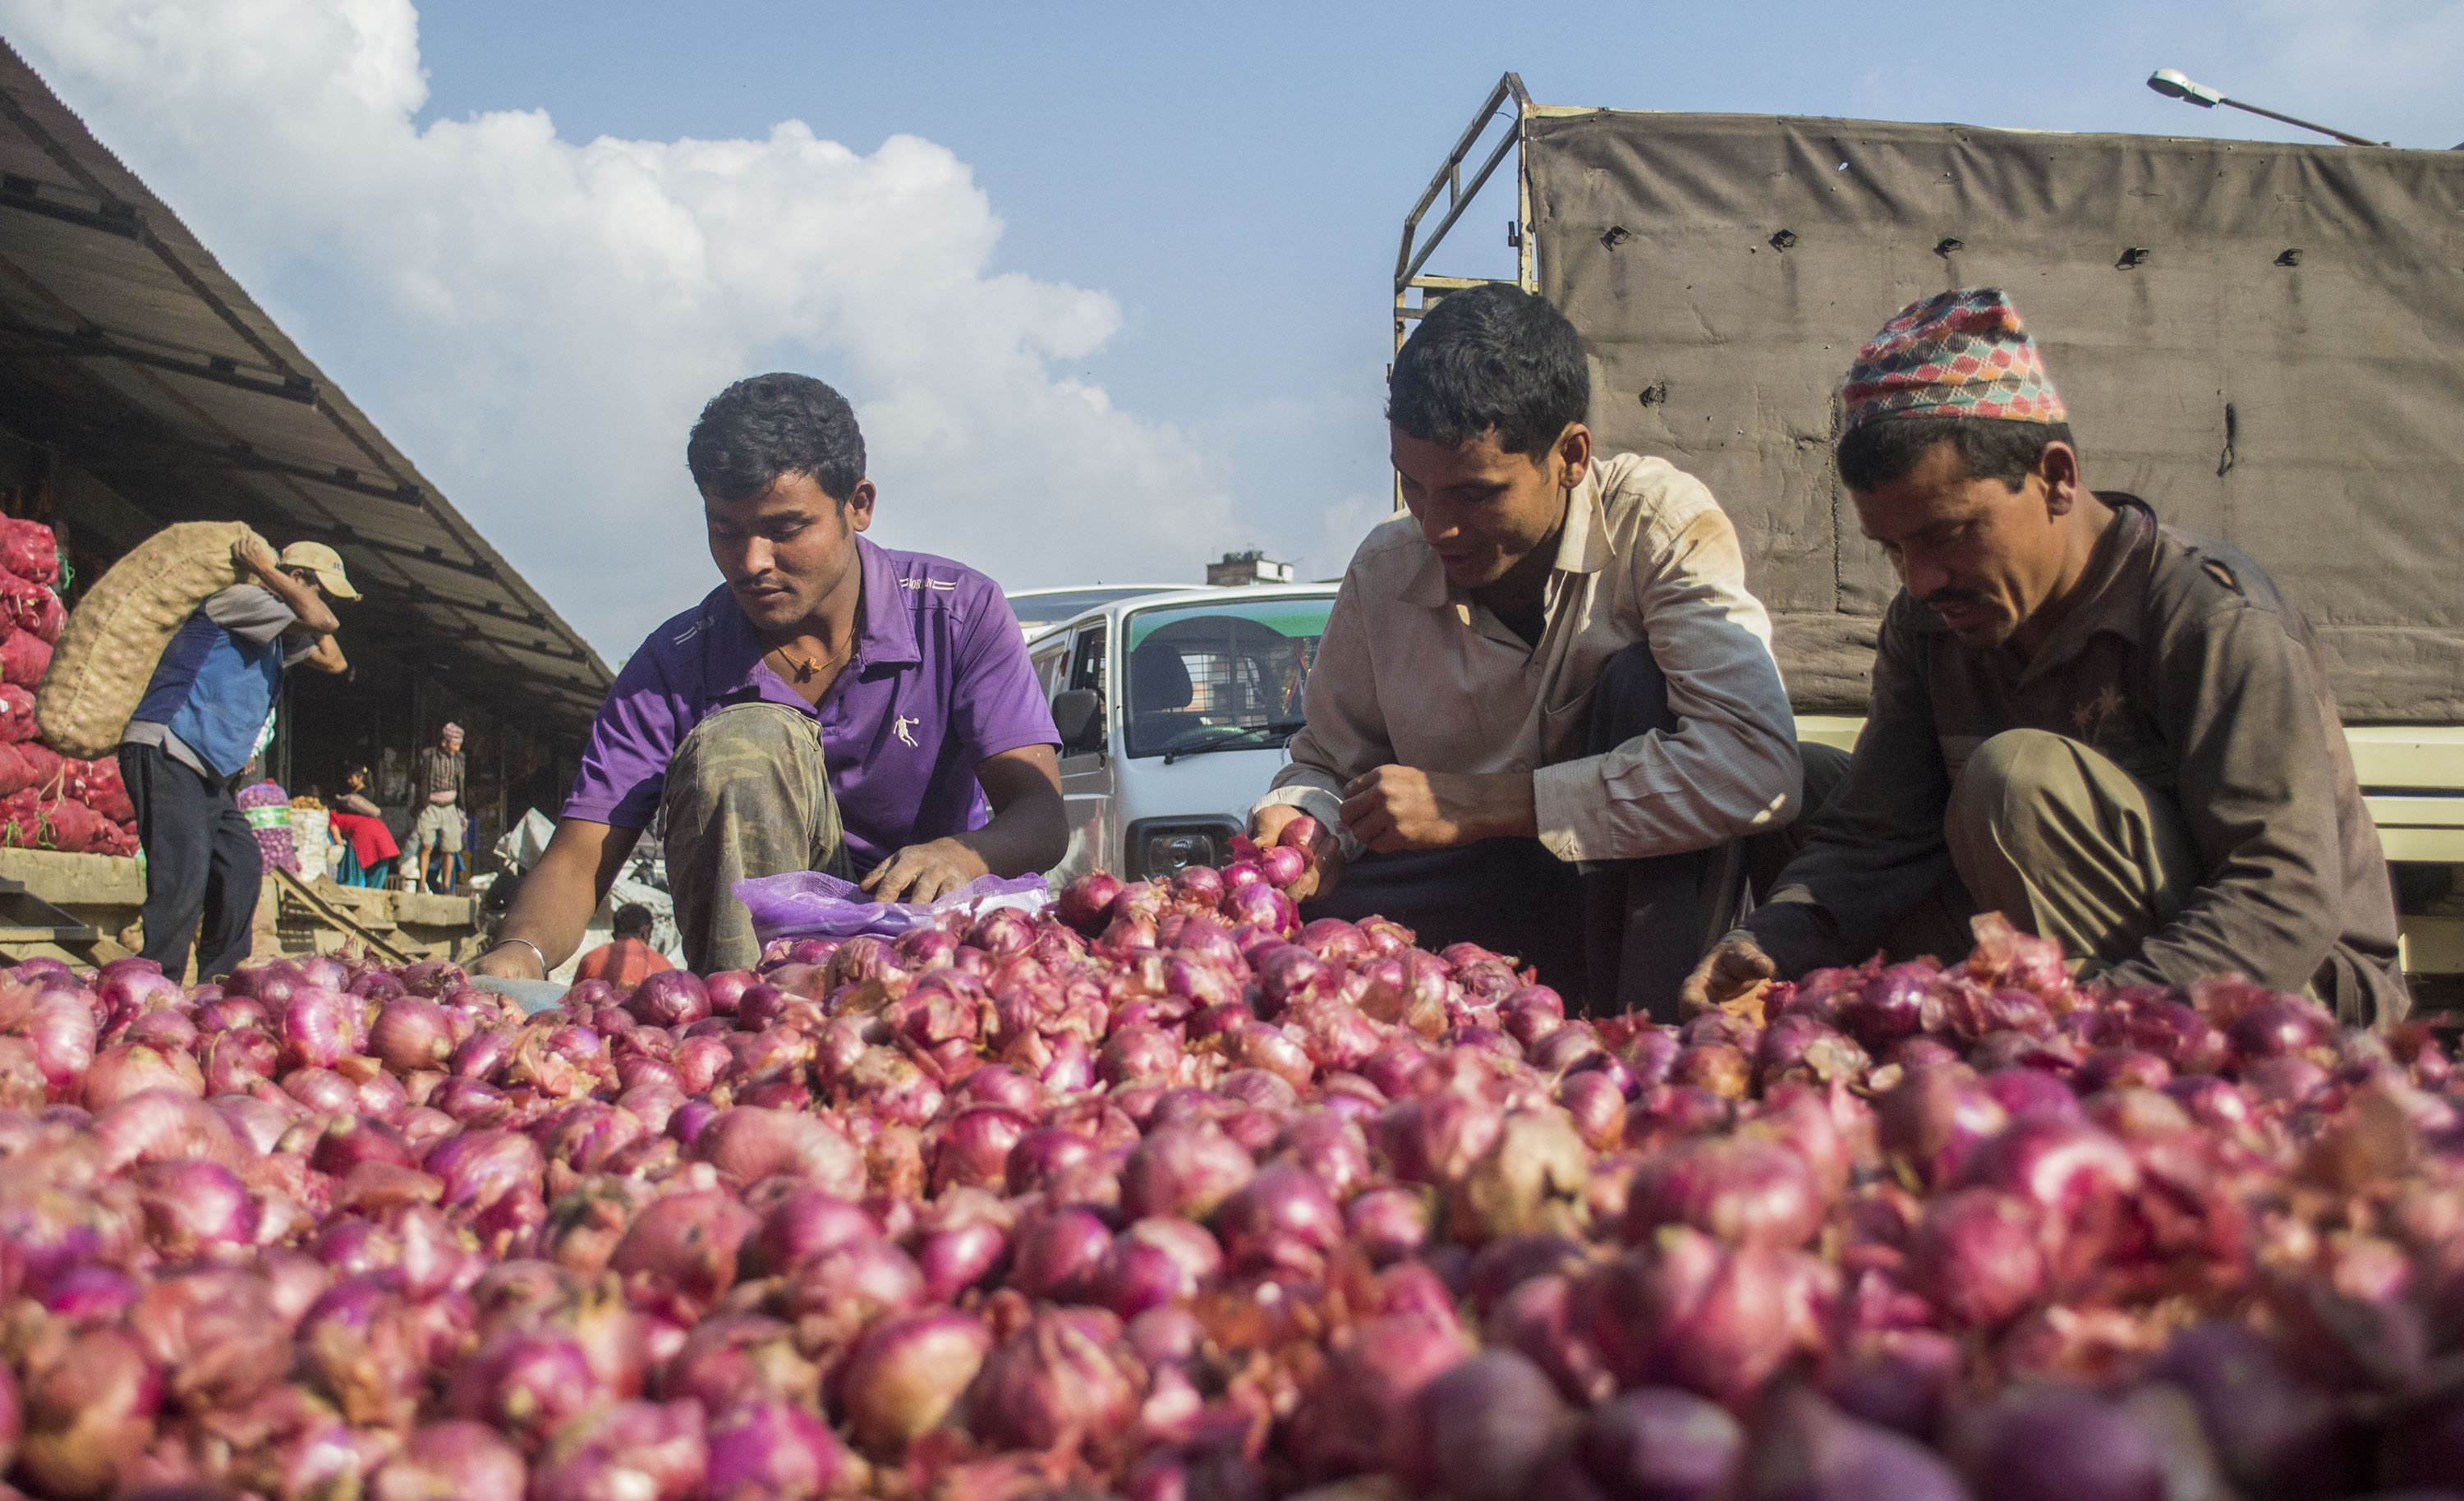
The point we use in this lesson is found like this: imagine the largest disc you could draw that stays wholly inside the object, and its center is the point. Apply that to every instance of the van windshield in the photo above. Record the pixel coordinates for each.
(1226, 674)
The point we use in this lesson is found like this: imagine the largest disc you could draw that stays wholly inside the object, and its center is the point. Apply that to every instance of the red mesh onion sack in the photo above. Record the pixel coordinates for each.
(16, 713)
(29, 550)
(24, 659)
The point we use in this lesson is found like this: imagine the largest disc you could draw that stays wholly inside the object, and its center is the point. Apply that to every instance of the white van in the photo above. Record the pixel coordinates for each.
(1040, 610)
(1173, 710)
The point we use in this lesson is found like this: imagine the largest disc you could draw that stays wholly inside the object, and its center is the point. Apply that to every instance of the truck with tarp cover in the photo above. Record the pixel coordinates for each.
(2257, 338)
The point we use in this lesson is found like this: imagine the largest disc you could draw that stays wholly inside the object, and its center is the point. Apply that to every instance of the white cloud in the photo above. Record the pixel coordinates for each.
(535, 321)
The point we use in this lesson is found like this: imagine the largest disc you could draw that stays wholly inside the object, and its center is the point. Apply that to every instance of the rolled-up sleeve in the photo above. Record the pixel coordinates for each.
(1730, 767)
(1346, 735)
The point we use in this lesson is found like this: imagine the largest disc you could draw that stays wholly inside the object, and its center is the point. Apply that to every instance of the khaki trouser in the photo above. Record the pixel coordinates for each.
(2054, 836)
(746, 796)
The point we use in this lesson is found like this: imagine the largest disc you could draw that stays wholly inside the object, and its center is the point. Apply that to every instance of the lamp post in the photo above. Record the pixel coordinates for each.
(2170, 83)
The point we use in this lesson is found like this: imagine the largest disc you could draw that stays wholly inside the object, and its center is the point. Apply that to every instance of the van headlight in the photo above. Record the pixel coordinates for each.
(1159, 848)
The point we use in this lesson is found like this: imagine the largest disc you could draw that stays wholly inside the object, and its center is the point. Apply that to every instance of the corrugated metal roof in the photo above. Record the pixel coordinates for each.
(126, 346)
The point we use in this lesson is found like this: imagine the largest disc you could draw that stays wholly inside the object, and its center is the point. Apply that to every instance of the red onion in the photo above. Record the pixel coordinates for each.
(1365, 1391)
(1739, 1188)
(765, 1449)
(957, 1256)
(1935, 1119)
(1805, 1449)
(687, 1243)
(480, 1168)
(463, 1460)
(525, 1382)
(1659, 1443)
(638, 1450)
(120, 1072)
(88, 1408)
(196, 1206)
(805, 1222)
(1183, 1169)
(411, 1033)
(1060, 1256)
(1480, 1431)
(975, 1147)
(1976, 1257)
(746, 1144)
(1282, 1219)
(1717, 1320)
(1538, 1317)
(908, 1373)
(2048, 1443)
(1055, 1382)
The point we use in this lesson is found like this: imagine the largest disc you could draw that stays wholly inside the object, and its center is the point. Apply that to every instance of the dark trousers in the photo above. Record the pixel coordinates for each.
(1609, 935)
(202, 864)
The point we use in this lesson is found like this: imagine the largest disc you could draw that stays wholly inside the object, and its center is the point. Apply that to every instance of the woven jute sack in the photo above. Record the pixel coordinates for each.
(115, 637)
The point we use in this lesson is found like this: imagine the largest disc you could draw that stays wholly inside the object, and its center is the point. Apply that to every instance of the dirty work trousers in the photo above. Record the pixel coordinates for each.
(2056, 838)
(746, 796)
(202, 864)
(1608, 935)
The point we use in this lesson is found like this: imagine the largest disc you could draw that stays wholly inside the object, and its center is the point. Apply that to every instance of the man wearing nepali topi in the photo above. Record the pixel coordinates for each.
(2115, 732)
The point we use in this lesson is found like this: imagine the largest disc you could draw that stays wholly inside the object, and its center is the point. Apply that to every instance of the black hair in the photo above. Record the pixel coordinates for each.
(1491, 358)
(771, 425)
(1874, 453)
(632, 921)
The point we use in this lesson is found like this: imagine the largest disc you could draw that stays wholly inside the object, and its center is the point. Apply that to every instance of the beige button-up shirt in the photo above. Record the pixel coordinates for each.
(1414, 671)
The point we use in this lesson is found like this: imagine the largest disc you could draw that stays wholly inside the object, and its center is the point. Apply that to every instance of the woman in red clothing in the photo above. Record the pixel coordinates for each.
(629, 959)
(368, 846)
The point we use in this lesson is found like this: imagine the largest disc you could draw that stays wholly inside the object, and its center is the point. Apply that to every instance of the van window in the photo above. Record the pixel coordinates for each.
(1046, 661)
(1086, 661)
(1221, 675)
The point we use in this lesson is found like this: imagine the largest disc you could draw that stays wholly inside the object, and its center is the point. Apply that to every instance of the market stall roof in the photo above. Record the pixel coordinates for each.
(127, 348)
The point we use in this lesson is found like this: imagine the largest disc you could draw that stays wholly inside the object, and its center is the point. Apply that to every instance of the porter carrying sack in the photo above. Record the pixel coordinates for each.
(116, 635)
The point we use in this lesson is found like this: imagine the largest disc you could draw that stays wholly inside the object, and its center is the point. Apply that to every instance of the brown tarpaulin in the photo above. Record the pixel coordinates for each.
(2261, 341)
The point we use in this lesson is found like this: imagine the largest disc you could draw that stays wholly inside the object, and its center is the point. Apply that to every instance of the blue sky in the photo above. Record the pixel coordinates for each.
(1144, 256)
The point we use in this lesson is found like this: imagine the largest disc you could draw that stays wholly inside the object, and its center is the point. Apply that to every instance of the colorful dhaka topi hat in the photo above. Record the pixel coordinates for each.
(1958, 353)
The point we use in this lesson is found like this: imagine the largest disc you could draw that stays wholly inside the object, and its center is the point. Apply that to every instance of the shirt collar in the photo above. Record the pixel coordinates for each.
(1583, 546)
(884, 616)
(885, 623)
(2107, 605)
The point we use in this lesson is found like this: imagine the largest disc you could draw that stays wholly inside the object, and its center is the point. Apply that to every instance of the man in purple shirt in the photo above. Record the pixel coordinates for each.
(833, 705)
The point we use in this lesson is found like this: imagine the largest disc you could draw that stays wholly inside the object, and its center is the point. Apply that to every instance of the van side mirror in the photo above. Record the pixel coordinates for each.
(1078, 714)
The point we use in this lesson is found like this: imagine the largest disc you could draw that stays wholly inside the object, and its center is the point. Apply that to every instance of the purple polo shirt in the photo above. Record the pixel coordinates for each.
(938, 682)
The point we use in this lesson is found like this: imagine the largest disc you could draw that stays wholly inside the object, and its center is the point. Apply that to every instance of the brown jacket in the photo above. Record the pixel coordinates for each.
(2181, 664)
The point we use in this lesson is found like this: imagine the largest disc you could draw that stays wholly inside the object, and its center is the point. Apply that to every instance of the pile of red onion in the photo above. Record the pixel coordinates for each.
(1167, 1196)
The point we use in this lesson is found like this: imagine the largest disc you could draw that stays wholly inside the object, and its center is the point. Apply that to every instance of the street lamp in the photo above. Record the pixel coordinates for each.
(2170, 83)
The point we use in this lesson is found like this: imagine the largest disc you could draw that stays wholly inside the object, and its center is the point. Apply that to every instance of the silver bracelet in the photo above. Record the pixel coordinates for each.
(545, 965)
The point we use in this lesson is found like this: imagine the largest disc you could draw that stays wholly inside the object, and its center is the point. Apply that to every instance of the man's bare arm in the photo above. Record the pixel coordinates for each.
(1030, 832)
(327, 657)
(555, 900)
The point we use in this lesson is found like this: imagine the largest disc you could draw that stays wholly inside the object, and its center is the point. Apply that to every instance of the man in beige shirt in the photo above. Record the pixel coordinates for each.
(1551, 666)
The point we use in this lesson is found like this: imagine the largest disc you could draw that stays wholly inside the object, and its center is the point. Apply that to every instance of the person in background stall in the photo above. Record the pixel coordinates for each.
(2113, 731)
(197, 730)
(833, 705)
(1545, 717)
(368, 847)
(628, 959)
(437, 783)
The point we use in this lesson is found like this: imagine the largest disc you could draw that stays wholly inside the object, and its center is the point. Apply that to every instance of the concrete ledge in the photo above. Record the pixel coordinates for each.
(426, 909)
(76, 880)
